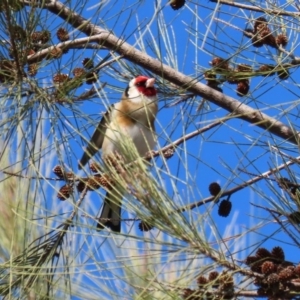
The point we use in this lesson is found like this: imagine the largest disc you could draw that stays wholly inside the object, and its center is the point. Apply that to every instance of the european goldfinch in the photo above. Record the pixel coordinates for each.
(133, 119)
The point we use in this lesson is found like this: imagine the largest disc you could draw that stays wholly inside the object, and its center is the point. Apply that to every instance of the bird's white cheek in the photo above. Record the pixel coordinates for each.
(136, 97)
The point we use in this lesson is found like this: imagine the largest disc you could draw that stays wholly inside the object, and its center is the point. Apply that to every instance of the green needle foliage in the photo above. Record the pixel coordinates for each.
(212, 212)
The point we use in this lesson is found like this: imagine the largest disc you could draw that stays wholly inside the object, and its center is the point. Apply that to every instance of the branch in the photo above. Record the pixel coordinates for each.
(107, 39)
(241, 186)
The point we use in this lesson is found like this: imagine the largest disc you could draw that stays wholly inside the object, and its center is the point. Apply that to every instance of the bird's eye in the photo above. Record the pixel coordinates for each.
(140, 83)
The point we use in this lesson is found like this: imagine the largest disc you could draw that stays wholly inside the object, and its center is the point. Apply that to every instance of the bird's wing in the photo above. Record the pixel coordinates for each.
(97, 139)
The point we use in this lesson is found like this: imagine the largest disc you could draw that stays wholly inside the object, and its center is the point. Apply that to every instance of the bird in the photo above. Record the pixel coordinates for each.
(133, 119)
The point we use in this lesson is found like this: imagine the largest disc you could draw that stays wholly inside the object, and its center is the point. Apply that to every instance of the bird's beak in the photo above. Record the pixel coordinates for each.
(150, 82)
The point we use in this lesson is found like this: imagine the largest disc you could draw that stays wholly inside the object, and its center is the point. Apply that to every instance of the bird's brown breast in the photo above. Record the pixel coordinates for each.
(142, 113)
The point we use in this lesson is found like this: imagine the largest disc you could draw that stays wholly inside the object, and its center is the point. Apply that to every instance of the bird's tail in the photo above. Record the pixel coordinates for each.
(111, 212)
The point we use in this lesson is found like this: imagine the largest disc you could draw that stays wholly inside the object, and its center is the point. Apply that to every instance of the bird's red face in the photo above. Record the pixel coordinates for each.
(145, 85)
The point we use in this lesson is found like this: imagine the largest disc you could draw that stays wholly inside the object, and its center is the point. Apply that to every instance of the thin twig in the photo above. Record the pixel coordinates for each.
(241, 186)
(258, 9)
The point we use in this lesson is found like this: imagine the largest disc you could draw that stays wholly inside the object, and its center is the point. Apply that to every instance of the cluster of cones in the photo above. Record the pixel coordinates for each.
(278, 274)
